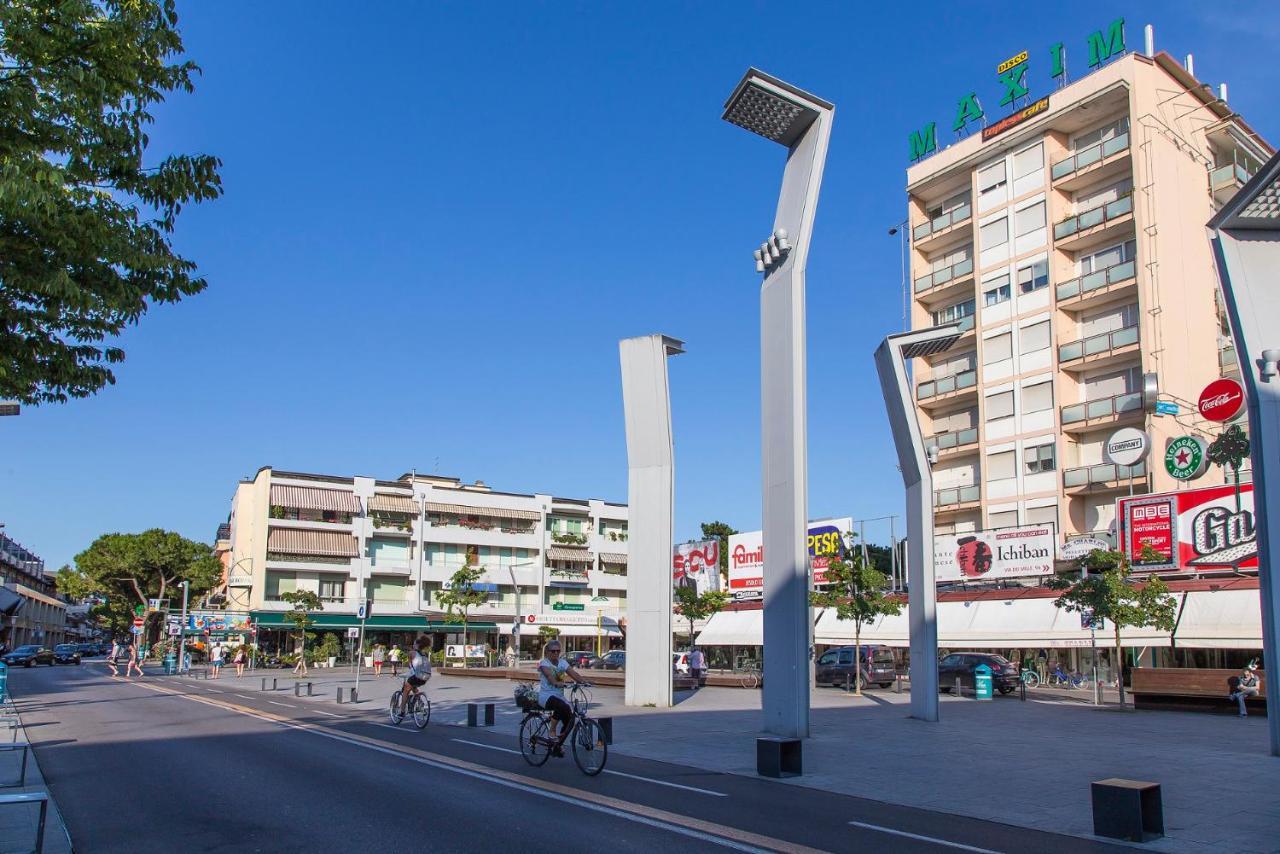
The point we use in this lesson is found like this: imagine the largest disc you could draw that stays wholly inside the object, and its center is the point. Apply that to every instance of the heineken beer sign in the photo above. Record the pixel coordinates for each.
(1186, 457)
(1221, 400)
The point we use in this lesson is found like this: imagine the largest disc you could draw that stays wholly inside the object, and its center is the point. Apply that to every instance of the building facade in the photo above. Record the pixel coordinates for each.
(547, 560)
(30, 608)
(1072, 250)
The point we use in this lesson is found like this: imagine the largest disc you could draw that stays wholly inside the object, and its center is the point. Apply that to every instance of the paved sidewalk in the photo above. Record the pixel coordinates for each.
(19, 822)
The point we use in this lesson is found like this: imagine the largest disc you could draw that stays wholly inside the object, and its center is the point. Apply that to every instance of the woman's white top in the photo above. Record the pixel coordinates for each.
(548, 688)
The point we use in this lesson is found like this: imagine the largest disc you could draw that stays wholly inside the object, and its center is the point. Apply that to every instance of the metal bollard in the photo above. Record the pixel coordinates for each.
(897, 683)
(339, 696)
(355, 697)
(1023, 690)
(958, 694)
(264, 684)
(606, 729)
(297, 689)
(308, 689)
(273, 684)
(846, 683)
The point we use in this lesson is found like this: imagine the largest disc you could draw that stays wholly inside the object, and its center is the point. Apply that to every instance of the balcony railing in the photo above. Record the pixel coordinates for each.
(1097, 279)
(1227, 361)
(1103, 473)
(966, 323)
(960, 214)
(1097, 216)
(956, 495)
(1105, 407)
(946, 385)
(952, 439)
(1088, 156)
(949, 273)
(1226, 176)
(1095, 345)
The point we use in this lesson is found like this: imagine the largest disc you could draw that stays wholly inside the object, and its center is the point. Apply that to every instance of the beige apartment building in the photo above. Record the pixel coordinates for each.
(1072, 249)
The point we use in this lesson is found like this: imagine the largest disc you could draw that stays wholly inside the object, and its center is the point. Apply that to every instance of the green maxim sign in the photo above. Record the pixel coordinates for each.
(1012, 77)
(1185, 458)
(567, 606)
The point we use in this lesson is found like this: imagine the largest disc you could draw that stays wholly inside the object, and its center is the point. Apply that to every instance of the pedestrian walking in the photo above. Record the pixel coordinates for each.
(379, 655)
(241, 659)
(215, 660)
(114, 657)
(1244, 686)
(134, 663)
(395, 656)
(300, 669)
(698, 666)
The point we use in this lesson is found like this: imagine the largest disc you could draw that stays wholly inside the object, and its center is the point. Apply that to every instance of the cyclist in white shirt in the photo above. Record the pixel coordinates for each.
(551, 672)
(419, 668)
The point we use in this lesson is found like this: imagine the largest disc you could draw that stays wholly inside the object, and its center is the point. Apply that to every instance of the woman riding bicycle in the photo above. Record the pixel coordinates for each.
(419, 668)
(552, 671)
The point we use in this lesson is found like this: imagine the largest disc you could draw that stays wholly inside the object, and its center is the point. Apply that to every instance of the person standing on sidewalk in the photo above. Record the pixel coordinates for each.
(698, 667)
(395, 655)
(240, 661)
(134, 663)
(379, 655)
(215, 660)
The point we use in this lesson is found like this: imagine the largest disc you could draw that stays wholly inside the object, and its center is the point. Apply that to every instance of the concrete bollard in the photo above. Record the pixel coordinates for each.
(897, 683)
(355, 696)
(273, 684)
(339, 695)
(264, 684)
(308, 689)
(958, 694)
(297, 689)
(606, 729)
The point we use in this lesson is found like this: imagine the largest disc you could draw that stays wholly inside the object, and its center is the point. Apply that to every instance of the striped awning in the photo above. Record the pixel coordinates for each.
(492, 512)
(298, 541)
(575, 555)
(609, 557)
(392, 504)
(310, 498)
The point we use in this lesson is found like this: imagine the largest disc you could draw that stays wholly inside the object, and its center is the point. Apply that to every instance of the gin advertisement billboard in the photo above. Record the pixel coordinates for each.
(1191, 529)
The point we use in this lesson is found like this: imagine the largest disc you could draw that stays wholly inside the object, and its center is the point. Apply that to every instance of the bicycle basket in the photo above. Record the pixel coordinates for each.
(526, 698)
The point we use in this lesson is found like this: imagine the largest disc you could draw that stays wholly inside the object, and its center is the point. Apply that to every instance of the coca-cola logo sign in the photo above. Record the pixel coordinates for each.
(1221, 400)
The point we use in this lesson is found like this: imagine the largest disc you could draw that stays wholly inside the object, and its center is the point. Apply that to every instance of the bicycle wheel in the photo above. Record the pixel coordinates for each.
(397, 715)
(750, 680)
(421, 710)
(1031, 680)
(535, 740)
(589, 749)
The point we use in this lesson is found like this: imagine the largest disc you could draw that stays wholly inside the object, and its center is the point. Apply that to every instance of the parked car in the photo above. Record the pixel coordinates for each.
(961, 665)
(66, 653)
(680, 663)
(614, 659)
(836, 666)
(581, 659)
(28, 655)
(86, 650)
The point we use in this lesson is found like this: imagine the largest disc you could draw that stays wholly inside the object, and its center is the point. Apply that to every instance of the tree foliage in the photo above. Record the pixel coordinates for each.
(85, 224)
(694, 606)
(461, 597)
(856, 591)
(303, 602)
(721, 532)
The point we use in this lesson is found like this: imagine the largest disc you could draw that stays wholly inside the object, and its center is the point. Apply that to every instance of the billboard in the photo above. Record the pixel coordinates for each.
(217, 621)
(696, 565)
(826, 539)
(1190, 529)
(1000, 553)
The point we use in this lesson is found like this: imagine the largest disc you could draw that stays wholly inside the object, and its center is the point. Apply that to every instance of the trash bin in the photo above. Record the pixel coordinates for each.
(170, 664)
(982, 682)
(4, 681)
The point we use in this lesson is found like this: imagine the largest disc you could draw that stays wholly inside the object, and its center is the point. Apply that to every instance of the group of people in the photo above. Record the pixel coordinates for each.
(127, 651)
(218, 657)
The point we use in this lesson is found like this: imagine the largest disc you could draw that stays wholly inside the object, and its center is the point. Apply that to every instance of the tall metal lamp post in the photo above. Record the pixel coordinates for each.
(891, 364)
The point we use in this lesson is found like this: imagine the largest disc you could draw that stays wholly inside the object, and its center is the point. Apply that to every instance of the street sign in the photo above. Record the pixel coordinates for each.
(568, 606)
(1167, 407)
(138, 621)
(360, 613)
(353, 632)
(1127, 446)
(1186, 457)
(174, 630)
(1221, 399)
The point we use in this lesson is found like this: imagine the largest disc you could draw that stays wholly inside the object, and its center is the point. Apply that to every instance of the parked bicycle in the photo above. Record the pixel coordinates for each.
(1060, 678)
(419, 706)
(1030, 678)
(750, 676)
(585, 734)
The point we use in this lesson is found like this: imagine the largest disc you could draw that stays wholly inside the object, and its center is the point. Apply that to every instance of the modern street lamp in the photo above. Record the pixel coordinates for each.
(801, 122)
(182, 629)
(922, 594)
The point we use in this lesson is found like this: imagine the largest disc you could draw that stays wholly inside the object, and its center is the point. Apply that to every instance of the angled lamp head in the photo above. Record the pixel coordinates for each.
(771, 108)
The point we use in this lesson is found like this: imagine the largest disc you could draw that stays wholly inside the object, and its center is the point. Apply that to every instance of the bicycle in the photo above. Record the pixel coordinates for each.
(1030, 678)
(750, 676)
(1061, 678)
(590, 751)
(419, 706)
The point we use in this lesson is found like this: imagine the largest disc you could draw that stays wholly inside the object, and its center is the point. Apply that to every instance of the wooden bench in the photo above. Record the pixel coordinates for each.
(1191, 689)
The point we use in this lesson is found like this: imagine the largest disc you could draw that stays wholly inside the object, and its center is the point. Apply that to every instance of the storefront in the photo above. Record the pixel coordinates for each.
(274, 630)
(586, 632)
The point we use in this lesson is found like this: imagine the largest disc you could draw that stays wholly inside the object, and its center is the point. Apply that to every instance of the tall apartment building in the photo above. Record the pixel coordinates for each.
(1072, 249)
(30, 610)
(548, 560)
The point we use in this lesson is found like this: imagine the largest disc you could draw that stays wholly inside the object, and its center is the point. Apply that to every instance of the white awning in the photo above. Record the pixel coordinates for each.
(1223, 619)
(733, 628)
(565, 631)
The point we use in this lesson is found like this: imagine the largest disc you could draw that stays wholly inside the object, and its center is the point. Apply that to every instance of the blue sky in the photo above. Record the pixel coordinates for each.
(439, 220)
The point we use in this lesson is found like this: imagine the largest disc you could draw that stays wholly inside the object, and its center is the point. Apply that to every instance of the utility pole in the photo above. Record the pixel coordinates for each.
(182, 628)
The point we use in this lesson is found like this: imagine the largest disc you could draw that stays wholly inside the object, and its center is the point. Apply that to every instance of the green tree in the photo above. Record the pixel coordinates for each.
(857, 593)
(461, 597)
(548, 633)
(1230, 450)
(694, 606)
(86, 224)
(1107, 589)
(303, 602)
(721, 532)
(128, 569)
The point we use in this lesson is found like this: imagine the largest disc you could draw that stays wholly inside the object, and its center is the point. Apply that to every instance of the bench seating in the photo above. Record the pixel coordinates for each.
(1191, 689)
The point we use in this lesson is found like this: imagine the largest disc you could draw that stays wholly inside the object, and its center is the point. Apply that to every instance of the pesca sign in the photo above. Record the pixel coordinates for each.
(825, 540)
(1012, 77)
(1190, 529)
(1221, 400)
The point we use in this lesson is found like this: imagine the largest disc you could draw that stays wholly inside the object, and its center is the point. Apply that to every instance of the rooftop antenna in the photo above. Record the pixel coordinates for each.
(1150, 33)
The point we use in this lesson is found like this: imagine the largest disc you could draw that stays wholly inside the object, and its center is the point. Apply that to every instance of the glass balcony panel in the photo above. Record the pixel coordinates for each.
(1221, 175)
(941, 222)
(924, 283)
(945, 440)
(1103, 473)
(966, 323)
(962, 268)
(946, 384)
(967, 379)
(1075, 477)
(943, 497)
(1124, 337)
(1089, 156)
(1098, 408)
(1227, 357)
(1067, 290)
(1119, 207)
(1088, 219)
(1130, 402)
(962, 213)
(1095, 344)
(1115, 145)
(1068, 352)
(1120, 272)
(1066, 228)
(921, 231)
(1073, 413)
(1063, 167)
(970, 493)
(967, 437)
(1093, 281)
(925, 390)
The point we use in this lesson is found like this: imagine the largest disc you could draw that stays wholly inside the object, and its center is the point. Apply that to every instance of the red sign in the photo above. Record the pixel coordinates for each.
(138, 621)
(1191, 529)
(1221, 400)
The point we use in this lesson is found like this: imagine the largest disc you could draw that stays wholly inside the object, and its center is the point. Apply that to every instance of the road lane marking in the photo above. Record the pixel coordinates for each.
(285, 705)
(671, 822)
(242, 697)
(932, 839)
(330, 714)
(608, 771)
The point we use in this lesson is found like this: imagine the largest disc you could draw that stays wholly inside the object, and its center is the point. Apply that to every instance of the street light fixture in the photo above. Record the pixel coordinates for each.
(801, 122)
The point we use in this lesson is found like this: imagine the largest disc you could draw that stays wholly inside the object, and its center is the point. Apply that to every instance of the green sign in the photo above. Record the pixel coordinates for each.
(567, 606)
(1184, 459)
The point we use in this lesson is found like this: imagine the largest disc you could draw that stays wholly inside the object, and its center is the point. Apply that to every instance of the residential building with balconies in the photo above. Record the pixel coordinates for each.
(30, 609)
(1071, 249)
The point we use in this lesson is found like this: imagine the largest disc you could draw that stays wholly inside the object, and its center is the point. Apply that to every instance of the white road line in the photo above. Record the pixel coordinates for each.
(285, 705)
(330, 714)
(932, 839)
(607, 771)
(243, 697)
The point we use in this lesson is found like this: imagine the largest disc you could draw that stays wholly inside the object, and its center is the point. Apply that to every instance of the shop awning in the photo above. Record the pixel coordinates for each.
(574, 555)
(1222, 619)
(491, 512)
(565, 631)
(733, 628)
(299, 541)
(310, 498)
(322, 621)
(382, 502)
(610, 557)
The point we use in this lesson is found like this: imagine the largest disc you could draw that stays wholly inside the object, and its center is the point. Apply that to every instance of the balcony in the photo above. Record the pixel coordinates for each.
(311, 563)
(1226, 180)
(1110, 284)
(337, 522)
(953, 226)
(956, 499)
(1228, 365)
(1095, 227)
(1100, 161)
(1105, 477)
(953, 442)
(948, 389)
(946, 283)
(1080, 417)
(1099, 350)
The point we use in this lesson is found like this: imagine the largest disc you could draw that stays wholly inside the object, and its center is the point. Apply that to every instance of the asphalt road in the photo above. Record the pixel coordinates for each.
(164, 764)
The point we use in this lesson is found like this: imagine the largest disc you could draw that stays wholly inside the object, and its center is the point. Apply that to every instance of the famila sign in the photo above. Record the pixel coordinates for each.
(1012, 77)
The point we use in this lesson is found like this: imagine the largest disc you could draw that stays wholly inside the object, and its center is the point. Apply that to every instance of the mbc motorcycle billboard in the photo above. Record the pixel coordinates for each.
(1193, 529)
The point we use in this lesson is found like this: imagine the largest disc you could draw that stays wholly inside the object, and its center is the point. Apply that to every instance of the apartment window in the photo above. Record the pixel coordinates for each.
(952, 366)
(991, 178)
(955, 312)
(1034, 337)
(996, 290)
(1028, 161)
(1113, 383)
(1107, 131)
(1038, 397)
(332, 589)
(1109, 320)
(1042, 515)
(1109, 257)
(995, 233)
(1029, 219)
(1006, 519)
(1001, 466)
(1039, 459)
(959, 200)
(997, 348)
(280, 582)
(999, 405)
(1033, 276)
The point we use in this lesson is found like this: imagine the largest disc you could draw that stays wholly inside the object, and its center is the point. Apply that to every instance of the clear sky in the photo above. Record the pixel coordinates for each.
(440, 219)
